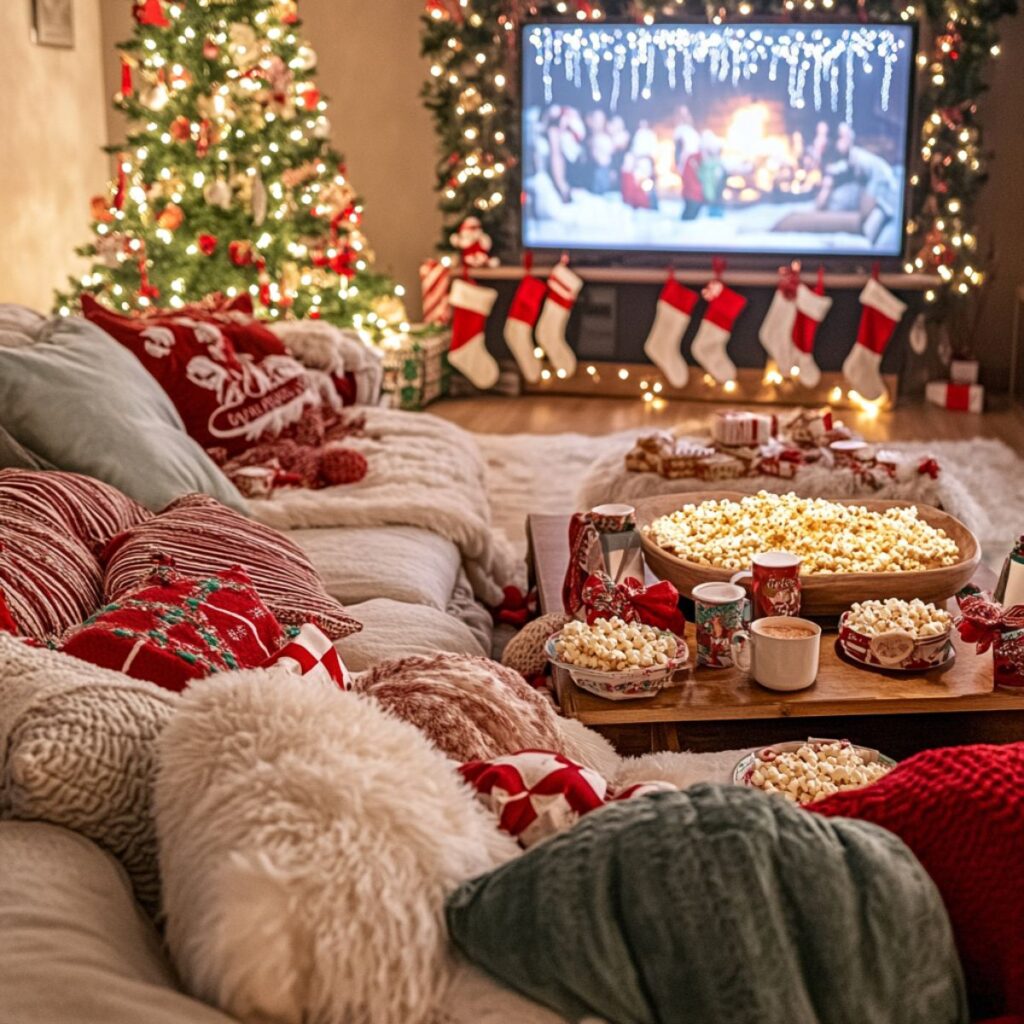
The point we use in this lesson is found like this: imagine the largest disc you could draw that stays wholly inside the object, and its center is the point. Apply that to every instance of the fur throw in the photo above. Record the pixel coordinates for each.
(471, 708)
(426, 473)
(307, 843)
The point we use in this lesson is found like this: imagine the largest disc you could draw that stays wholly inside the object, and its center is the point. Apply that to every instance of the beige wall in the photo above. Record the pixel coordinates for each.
(371, 72)
(51, 131)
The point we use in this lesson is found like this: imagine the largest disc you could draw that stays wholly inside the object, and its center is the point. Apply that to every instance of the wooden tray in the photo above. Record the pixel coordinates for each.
(823, 593)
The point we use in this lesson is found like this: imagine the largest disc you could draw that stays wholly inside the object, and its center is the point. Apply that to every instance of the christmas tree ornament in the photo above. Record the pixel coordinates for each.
(156, 96)
(258, 200)
(664, 342)
(564, 288)
(211, 51)
(776, 331)
(100, 210)
(218, 193)
(321, 128)
(180, 129)
(127, 84)
(171, 217)
(243, 44)
(471, 305)
(309, 95)
(723, 308)
(435, 282)
(881, 312)
(305, 57)
(812, 306)
(151, 13)
(207, 244)
(473, 244)
(522, 319)
(240, 253)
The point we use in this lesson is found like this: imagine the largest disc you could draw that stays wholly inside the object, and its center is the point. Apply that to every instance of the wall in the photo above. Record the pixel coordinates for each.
(370, 70)
(50, 136)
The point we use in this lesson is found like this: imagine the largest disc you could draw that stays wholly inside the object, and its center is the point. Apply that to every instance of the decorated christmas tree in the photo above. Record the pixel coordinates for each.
(227, 181)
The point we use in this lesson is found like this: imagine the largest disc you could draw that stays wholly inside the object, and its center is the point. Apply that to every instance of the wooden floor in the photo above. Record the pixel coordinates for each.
(543, 414)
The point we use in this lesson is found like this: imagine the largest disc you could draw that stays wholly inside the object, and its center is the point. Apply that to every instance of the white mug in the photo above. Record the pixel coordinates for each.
(779, 662)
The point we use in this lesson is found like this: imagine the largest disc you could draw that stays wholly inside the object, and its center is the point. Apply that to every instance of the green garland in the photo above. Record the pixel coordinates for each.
(227, 181)
(471, 45)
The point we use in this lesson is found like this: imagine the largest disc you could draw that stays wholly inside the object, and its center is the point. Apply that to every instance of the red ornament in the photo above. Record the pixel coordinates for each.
(207, 244)
(127, 87)
(181, 129)
(100, 210)
(343, 466)
(171, 217)
(240, 253)
(151, 12)
(309, 96)
(205, 137)
(211, 51)
(343, 262)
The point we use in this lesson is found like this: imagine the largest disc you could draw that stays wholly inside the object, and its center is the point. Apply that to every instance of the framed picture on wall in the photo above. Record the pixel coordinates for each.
(53, 22)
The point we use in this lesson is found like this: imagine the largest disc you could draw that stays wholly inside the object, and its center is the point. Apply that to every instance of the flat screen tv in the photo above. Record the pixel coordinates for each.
(687, 138)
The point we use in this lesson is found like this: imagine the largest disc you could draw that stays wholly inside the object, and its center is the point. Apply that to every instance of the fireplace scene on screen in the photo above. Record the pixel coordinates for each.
(735, 139)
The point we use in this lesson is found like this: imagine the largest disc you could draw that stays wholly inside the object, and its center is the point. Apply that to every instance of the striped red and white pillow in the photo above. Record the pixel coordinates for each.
(201, 536)
(50, 580)
(85, 508)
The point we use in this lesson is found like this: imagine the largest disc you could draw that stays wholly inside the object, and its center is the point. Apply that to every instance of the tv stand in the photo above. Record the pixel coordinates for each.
(840, 280)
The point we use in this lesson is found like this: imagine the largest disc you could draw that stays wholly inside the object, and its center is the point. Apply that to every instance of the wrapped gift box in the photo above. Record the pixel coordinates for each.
(956, 397)
(416, 370)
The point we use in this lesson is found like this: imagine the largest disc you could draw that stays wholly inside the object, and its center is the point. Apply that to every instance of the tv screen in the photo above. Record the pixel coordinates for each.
(753, 138)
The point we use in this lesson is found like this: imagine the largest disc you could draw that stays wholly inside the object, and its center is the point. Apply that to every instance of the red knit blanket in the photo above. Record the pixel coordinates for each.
(961, 810)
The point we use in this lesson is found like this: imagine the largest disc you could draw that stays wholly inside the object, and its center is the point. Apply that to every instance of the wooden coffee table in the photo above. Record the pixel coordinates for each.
(721, 709)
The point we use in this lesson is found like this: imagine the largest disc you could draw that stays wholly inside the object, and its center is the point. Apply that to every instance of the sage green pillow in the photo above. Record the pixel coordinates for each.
(83, 402)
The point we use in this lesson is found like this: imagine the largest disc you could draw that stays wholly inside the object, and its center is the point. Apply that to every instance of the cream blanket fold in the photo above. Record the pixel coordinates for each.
(422, 472)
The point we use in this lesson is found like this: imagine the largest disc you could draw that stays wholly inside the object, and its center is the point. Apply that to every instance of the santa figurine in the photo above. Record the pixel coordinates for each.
(474, 244)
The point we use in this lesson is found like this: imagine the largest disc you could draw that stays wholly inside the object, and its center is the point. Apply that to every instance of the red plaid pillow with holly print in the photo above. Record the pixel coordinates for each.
(174, 629)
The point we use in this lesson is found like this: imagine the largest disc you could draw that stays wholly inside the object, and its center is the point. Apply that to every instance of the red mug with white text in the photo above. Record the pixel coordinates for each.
(775, 581)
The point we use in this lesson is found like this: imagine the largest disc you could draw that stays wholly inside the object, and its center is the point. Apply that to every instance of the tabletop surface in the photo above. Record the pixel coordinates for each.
(842, 687)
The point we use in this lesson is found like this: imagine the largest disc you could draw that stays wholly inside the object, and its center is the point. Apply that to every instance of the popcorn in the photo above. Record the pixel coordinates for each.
(614, 645)
(828, 537)
(814, 771)
(920, 620)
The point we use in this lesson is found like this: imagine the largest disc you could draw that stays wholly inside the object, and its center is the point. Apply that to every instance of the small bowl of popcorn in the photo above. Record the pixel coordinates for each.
(616, 659)
(804, 772)
(897, 635)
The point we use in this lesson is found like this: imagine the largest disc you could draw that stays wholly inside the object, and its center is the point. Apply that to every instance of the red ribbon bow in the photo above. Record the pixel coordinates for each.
(631, 601)
(982, 621)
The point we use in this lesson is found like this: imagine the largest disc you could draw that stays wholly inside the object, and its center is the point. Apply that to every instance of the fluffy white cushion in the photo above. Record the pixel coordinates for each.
(393, 629)
(307, 843)
(76, 749)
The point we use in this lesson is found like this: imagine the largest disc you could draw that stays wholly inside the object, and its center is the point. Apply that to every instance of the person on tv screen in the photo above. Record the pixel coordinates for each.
(601, 150)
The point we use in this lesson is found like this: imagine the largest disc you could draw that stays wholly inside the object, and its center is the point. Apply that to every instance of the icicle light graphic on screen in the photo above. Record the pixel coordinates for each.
(771, 138)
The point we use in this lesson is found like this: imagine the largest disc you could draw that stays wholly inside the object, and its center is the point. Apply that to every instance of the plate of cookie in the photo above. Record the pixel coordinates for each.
(851, 551)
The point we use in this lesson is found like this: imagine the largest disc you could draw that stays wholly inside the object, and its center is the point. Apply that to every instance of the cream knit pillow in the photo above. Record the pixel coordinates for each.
(76, 749)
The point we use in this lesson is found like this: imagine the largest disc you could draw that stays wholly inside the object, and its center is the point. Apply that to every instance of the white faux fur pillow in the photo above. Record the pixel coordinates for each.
(307, 843)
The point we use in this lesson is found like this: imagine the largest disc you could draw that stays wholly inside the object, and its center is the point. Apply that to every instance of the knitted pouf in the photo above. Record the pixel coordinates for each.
(470, 707)
(343, 465)
(525, 651)
(960, 810)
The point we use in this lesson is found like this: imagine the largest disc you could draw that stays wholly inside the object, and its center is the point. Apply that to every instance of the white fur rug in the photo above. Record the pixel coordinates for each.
(538, 473)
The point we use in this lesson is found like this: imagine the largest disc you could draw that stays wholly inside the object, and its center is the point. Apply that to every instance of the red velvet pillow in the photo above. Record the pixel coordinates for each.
(84, 508)
(228, 399)
(50, 579)
(174, 629)
(203, 536)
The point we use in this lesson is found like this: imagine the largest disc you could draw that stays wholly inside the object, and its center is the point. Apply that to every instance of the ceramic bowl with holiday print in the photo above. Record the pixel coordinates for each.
(622, 684)
(896, 650)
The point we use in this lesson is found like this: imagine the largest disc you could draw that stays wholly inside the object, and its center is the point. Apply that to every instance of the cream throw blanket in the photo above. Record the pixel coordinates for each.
(423, 472)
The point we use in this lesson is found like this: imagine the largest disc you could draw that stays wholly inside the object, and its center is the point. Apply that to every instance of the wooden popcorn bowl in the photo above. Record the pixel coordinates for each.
(824, 594)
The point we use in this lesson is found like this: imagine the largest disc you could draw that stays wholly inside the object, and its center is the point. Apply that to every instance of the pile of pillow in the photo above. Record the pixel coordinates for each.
(169, 598)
